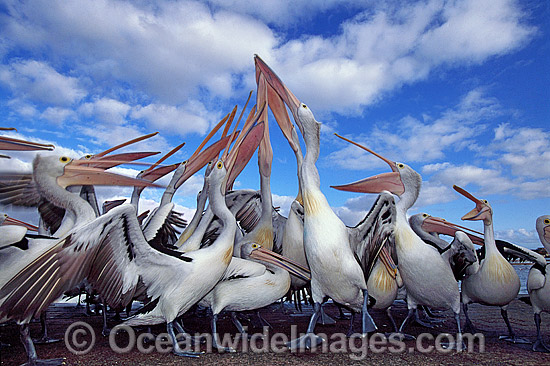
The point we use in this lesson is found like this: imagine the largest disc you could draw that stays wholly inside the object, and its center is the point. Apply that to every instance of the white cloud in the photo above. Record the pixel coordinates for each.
(39, 82)
(106, 110)
(412, 140)
(193, 117)
(58, 115)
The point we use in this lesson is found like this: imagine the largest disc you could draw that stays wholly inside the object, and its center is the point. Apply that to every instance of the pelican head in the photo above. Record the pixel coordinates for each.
(482, 211)
(251, 250)
(543, 229)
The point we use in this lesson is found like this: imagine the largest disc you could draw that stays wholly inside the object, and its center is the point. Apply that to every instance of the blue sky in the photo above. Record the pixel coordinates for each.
(458, 90)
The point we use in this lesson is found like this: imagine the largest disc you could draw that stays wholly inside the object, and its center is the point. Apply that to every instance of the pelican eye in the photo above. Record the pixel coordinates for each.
(547, 221)
(304, 106)
(425, 215)
(400, 165)
(64, 159)
(219, 165)
(88, 156)
(485, 201)
(255, 246)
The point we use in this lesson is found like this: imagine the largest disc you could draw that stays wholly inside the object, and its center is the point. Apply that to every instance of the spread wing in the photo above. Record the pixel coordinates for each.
(18, 190)
(110, 252)
(512, 252)
(162, 227)
(374, 232)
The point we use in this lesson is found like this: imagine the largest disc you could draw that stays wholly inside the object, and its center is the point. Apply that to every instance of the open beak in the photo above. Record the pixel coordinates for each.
(12, 221)
(441, 226)
(479, 212)
(199, 160)
(8, 143)
(271, 88)
(243, 153)
(77, 173)
(381, 182)
(287, 264)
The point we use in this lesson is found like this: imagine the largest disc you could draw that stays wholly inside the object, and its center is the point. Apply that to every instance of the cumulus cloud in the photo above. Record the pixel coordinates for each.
(39, 82)
(193, 117)
(421, 140)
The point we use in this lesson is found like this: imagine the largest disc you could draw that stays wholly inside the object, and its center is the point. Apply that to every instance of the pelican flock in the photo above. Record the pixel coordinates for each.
(237, 253)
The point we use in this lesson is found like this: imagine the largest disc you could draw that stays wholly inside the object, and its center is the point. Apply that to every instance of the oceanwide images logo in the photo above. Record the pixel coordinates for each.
(80, 339)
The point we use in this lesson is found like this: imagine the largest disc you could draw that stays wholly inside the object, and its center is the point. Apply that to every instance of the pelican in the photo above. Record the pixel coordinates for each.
(538, 282)
(460, 253)
(326, 238)
(427, 277)
(256, 279)
(13, 232)
(50, 176)
(496, 283)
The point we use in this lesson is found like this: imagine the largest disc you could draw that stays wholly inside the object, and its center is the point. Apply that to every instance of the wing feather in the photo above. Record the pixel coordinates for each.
(374, 232)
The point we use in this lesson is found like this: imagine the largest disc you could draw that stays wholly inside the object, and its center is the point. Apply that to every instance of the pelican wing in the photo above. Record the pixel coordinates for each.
(243, 268)
(18, 190)
(110, 252)
(161, 229)
(374, 232)
(512, 251)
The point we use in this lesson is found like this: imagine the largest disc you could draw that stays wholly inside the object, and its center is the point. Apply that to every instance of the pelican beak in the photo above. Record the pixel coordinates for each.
(8, 143)
(388, 262)
(271, 87)
(441, 226)
(77, 173)
(241, 154)
(133, 141)
(481, 212)
(157, 173)
(12, 221)
(106, 162)
(199, 160)
(109, 205)
(287, 264)
(278, 86)
(381, 182)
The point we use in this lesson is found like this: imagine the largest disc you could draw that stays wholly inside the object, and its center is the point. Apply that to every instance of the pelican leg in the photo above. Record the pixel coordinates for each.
(511, 337)
(324, 319)
(25, 336)
(458, 344)
(44, 339)
(310, 339)
(539, 345)
(239, 325)
(410, 314)
(215, 336)
(367, 322)
(470, 327)
(105, 331)
(431, 313)
(351, 321)
(342, 315)
(177, 349)
(392, 320)
(425, 323)
(260, 321)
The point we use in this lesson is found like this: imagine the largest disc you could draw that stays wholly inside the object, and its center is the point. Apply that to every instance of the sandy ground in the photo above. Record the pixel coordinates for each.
(497, 352)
